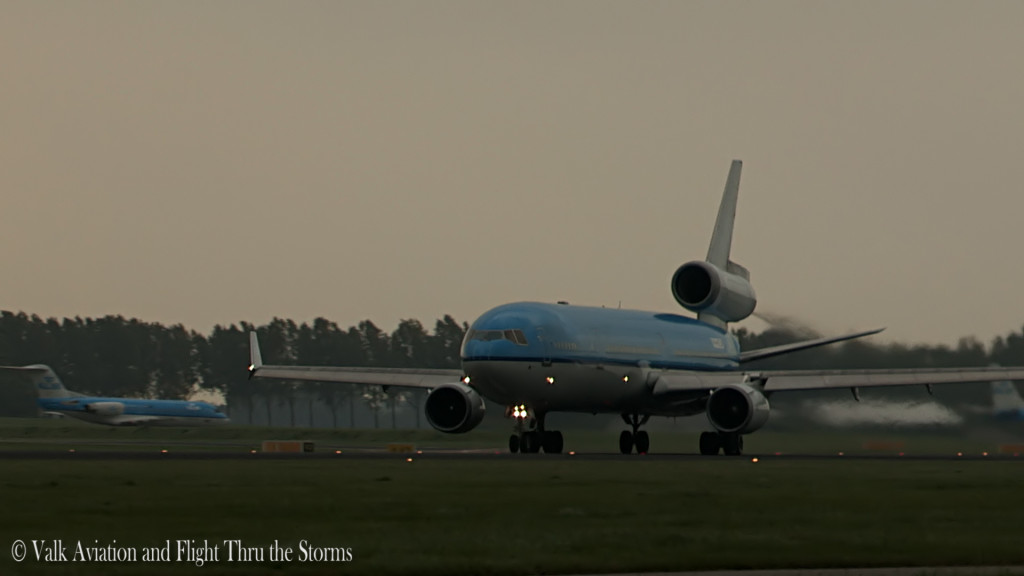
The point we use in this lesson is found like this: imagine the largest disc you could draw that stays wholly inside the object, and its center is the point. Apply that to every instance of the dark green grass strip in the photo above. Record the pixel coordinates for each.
(524, 517)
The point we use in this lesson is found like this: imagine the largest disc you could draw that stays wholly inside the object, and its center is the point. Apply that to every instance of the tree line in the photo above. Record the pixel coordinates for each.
(116, 356)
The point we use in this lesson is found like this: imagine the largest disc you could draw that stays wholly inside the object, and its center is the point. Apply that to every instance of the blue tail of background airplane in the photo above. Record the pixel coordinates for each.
(1007, 403)
(46, 382)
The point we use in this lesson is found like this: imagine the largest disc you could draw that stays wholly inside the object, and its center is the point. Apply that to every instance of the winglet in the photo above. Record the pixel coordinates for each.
(255, 359)
(721, 238)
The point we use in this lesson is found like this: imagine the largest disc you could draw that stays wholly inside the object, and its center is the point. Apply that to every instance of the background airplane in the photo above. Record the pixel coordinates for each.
(537, 358)
(54, 398)
(1007, 403)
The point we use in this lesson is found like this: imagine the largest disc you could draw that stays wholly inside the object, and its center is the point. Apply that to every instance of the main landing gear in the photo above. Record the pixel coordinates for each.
(638, 438)
(730, 443)
(534, 439)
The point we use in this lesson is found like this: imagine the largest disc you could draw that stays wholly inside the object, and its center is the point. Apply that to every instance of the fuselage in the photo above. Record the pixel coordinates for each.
(588, 359)
(1015, 414)
(134, 412)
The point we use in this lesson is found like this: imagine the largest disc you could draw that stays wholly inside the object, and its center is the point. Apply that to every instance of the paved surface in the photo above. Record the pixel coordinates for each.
(917, 571)
(193, 451)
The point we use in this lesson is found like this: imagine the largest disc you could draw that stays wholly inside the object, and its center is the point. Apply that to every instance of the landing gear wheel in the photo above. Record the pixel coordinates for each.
(552, 442)
(626, 442)
(530, 442)
(642, 441)
(513, 443)
(732, 444)
(710, 443)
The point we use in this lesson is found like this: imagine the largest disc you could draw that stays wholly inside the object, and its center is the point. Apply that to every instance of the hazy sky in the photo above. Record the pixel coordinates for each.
(209, 162)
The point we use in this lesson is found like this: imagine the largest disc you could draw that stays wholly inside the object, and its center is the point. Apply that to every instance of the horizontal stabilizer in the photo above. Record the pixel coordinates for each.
(787, 348)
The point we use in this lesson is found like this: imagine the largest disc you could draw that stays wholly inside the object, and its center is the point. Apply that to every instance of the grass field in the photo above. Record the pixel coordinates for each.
(532, 515)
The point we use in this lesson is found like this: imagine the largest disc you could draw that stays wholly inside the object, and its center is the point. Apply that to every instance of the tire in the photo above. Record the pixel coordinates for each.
(626, 442)
(513, 443)
(530, 442)
(710, 443)
(642, 441)
(552, 442)
(732, 444)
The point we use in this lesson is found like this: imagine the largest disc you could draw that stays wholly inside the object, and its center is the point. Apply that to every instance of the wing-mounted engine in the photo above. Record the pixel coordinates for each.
(105, 408)
(737, 408)
(454, 408)
(704, 288)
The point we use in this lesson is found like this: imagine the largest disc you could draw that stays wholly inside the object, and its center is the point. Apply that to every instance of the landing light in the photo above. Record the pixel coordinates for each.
(408, 459)
(465, 380)
(754, 460)
(252, 367)
(551, 379)
(625, 378)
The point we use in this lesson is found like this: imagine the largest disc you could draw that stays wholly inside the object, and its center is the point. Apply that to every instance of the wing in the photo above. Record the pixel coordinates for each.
(398, 377)
(822, 379)
(788, 380)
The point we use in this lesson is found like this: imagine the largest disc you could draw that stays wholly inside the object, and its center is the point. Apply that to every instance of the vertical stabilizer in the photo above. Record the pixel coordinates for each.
(721, 239)
(43, 378)
(1006, 400)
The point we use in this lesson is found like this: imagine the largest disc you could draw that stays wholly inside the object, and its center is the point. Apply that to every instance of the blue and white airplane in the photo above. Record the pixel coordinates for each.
(1006, 401)
(538, 358)
(54, 398)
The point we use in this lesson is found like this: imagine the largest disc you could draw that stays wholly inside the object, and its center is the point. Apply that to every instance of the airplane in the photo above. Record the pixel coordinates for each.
(536, 358)
(55, 399)
(1006, 401)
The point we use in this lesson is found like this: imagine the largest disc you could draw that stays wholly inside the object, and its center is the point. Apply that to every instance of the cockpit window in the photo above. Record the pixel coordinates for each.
(515, 336)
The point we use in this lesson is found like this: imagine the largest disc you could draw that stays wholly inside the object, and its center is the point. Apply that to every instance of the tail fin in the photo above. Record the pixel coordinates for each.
(46, 382)
(721, 238)
(1006, 399)
(255, 358)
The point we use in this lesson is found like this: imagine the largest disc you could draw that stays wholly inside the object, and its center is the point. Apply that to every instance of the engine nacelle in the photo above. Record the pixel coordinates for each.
(737, 408)
(454, 408)
(105, 408)
(704, 288)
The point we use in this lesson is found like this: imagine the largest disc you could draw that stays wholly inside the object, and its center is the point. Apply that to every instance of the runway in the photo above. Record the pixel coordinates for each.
(184, 453)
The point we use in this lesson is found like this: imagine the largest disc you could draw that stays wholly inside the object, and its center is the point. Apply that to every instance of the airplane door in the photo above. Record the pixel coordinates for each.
(545, 347)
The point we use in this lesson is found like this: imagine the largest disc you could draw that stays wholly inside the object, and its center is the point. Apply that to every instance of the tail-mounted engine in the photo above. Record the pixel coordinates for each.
(737, 408)
(105, 408)
(704, 288)
(454, 408)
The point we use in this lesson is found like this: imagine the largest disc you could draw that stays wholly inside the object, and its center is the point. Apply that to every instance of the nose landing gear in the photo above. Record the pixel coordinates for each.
(532, 438)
